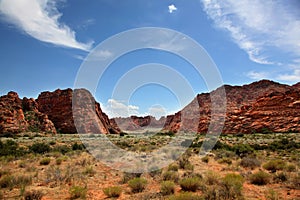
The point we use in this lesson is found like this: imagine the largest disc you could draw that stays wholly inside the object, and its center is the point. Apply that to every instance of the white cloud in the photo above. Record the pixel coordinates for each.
(40, 20)
(172, 8)
(258, 27)
(115, 108)
(258, 75)
(292, 77)
(101, 55)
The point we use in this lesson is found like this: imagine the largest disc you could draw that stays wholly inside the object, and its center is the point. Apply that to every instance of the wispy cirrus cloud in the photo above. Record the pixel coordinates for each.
(268, 31)
(40, 20)
(258, 26)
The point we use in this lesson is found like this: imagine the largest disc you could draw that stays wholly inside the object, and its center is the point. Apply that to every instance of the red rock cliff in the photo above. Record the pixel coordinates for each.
(257, 107)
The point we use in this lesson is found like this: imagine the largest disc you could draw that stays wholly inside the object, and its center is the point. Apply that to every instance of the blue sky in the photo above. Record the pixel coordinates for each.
(44, 42)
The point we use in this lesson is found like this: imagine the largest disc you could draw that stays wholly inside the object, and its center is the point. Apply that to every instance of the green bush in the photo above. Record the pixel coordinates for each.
(280, 177)
(250, 162)
(167, 187)
(45, 161)
(114, 191)
(39, 148)
(274, 165)
(77, 146)
(190, 184)
(63, 149)
(205, 159)
(137, 184)
(59, 160)
(170, 176)
(78, 192)
(243, 150)
(260, 178)
(33, 195)
(128, 176)
(291, 168)
(173, 167)
(233, 185)
(186, 196)
(10, 181)
(225, 160)
(11, 148)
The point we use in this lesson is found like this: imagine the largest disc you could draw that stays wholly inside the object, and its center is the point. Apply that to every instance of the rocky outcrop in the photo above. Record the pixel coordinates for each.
(135, 123)
(258, 107)
(84, 112)
(18, 115)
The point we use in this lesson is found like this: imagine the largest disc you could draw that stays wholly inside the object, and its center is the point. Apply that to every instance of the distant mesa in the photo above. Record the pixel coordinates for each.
(263, 106)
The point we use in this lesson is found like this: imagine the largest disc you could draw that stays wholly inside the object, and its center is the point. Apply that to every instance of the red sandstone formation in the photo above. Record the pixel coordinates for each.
(258, 107)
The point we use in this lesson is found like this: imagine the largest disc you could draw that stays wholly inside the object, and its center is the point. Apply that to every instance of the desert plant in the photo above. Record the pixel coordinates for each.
(291, 168)
(272, 195)
(10, 181)
(59, 160)
(40, 148)
(45, 161)
(242, 150)
(280, 177)
(211, 178)
(167, 187)
(274, 165)
(205, 159)
(33, 195)
(114, 191)
(137, 184)
(250, 162)
(260, 178)
(89, 170)
(128, 176)
(232, 185)
(186, 196)
(228, 161)
(173, 167)
(170, 176)
(78, 192)
(190, 184)
(77, 146)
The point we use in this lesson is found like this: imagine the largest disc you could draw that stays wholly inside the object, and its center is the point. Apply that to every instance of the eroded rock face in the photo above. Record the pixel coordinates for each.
(135, 123)
(257, 107)
(18, 115)
(89, 117)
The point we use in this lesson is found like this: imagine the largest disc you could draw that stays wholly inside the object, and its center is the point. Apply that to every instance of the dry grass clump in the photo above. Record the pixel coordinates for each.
(167, 187)
(114, 191)
(260, 178)
(137, 184)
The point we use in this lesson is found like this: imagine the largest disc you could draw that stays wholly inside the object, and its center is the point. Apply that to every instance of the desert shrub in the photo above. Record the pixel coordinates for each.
(40, 148)
(63, 149)
(78, 192)
(205, 159)
(294, 182)
(291, 168)
(242, 150)
(45, 161)
(260, 178)
(190, 184)
(225, 160)
(283, 144)
(250, 162)
(114, 191)
(224, 154)
(89, 170)
(211, 178)
(10, 181)
(272, 195)
(167, 187)
(170, 176)
(11, 148)
(274, 165)
(186, 196)
(33, 195)
(128, 176)
(59, 160)
(77, 146)
(173, 167)
(137, 184)
(52, 143)
(232, 186)
(280, 177)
